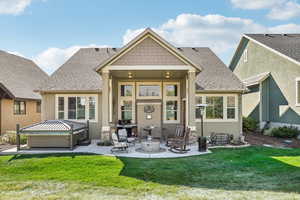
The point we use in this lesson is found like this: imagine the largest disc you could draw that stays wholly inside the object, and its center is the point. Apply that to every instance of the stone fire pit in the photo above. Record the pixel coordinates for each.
(150, 146)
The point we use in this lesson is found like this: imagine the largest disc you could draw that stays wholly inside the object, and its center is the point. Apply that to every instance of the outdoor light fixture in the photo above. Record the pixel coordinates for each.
(129, 75)
(167, 74)
(202, 108)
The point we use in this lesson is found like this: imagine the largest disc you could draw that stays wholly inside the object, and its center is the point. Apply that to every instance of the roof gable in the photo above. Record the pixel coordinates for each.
(148, 52)
(145, 35)
(285, 45)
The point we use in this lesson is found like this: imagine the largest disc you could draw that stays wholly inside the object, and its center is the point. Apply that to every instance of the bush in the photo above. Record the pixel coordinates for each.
(104, 143)
(249, 124)
(285, 132)
(10, 138)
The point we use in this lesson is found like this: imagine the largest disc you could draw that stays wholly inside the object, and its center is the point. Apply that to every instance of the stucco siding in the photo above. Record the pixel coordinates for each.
(282, 85)
(9, 119)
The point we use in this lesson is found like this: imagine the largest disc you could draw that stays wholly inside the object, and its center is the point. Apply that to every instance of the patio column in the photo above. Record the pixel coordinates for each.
(105, 132)
(191, 103)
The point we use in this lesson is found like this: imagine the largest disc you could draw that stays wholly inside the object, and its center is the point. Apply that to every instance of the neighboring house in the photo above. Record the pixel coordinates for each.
(18, 103)
(269, 65)
(149, 82)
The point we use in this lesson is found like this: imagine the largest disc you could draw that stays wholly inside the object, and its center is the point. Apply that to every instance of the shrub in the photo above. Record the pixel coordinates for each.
(10, 138)
(104, 143)
(249, 124)
(285, 132)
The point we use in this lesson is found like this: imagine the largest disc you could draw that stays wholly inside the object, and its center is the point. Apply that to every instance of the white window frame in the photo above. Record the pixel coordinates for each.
(126, 98)
(297, 89)
(204, 96)
(66, 96)
(171, 98)
(138, 84)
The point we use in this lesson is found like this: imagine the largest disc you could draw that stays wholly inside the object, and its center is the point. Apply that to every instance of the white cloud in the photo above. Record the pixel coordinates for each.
(14, 7)
(285, 11)
(278, 9)
(255, 4)
(52, 58)
(218, 32)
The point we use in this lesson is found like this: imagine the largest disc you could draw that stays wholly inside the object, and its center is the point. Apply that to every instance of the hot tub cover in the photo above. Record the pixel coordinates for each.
(54, 126)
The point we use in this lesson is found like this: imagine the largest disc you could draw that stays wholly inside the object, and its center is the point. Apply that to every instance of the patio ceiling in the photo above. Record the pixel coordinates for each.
(157, 74)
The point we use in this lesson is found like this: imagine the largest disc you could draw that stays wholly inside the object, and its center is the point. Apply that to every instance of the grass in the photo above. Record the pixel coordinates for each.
(248, 173)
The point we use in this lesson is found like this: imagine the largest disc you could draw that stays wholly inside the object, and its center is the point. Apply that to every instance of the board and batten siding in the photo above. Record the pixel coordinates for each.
(279, 90)
(48, 113)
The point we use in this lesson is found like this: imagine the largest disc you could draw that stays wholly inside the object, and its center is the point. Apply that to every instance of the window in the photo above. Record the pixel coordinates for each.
(79, 107)
(171, 110)
(38, 107)
(92, 108)
(126, 110)
(245, 55)
(171, 102)
(126, 90)
(126, 101)
(219, 107)
(231, 107)
(214, 109)
(150, 90)
(61, 107)
(298, 91)
(19, 107)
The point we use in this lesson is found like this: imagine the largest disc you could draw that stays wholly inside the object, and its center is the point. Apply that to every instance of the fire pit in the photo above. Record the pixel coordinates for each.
(150, 145)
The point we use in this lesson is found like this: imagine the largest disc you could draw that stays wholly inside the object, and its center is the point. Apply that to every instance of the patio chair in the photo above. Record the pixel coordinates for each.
(118, 146)
(179, 144)
(179, 132)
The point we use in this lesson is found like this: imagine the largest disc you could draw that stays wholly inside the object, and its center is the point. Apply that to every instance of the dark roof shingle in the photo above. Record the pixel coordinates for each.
(20, 76)
(78, 73)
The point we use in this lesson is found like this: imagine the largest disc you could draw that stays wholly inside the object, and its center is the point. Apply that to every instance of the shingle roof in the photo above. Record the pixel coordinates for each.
(286, 44)
(215, 76)
(78, 73)
(20, 76)
(253, 80)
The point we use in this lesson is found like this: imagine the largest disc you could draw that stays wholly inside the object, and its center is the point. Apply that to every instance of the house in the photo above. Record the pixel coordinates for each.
(269, 65)
(18, 103)
(149, 82)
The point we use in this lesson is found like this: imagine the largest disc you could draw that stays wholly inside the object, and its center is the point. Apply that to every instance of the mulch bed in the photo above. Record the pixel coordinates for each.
(260, 139)
(4, 147)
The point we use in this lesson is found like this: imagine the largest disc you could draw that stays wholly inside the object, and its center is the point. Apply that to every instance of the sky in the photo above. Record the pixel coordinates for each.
(51, 31)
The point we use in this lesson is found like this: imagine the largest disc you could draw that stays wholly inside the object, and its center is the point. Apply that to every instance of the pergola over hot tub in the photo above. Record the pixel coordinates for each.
(55, 133)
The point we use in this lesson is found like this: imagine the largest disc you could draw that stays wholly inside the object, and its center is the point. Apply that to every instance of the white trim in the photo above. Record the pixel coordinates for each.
(138, 84)
(86, 106)
(273, 50)
(171, 98)
(148, 67)
(224, 108)
(149, 103)
(260, 102)
(245, 55)
(297, 89)
(126, 98)
(110, 100)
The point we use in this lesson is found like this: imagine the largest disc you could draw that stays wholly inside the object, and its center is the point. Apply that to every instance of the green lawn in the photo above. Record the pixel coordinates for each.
(248, 173)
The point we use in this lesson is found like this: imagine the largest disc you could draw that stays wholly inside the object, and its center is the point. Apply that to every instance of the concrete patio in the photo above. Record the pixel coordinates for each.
(106, 150)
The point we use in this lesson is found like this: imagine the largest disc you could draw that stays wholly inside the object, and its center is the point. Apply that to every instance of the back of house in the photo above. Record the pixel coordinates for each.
(269, 65)
(19, 104)
(148, 82)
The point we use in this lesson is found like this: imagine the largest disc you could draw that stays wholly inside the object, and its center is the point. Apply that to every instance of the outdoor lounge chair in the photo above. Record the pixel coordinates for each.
(179, 132)
(179, 144)
(118, 146)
